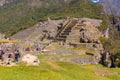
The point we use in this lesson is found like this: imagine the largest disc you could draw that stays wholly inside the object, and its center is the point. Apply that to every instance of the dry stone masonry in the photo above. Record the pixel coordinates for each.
(82, 33)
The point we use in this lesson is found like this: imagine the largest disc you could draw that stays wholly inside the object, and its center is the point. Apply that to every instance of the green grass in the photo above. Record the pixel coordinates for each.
(75, 56)
(64, 71)
(115, 77)
(51, 70)
(77, 49)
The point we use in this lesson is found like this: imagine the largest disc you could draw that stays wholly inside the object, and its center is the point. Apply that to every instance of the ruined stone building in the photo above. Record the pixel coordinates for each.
(80, 33)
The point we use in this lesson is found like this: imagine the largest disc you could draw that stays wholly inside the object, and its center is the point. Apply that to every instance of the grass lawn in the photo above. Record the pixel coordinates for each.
(50, 70)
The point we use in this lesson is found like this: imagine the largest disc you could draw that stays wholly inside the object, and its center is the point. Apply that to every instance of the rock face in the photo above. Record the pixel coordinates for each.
(3, 2)
(106, 34)
(30, 59)
(111, 6)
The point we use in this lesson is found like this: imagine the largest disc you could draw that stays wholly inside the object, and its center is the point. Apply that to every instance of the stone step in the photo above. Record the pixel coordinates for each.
(73, 39)
(70, 39)
(66, 31)
(68, 28)
(74, 36)
(61, 39)
(64, 34)
(75, 30)
(76, 33)
(72, 33)
(84, 43)
(66, 22)
(76, 40)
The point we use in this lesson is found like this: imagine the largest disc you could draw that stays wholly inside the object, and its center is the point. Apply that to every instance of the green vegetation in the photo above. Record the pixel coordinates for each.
(79, 48)
(49, 70)
(23, 14)
(75, 56)
(118, 58)
(111, 44)
(118, 54)
(45, 31)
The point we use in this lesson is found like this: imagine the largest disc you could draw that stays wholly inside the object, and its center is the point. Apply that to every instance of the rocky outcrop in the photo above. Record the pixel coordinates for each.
(30, 59)
(3, 2)
(106, 34)
(111, 6)
(108, 59)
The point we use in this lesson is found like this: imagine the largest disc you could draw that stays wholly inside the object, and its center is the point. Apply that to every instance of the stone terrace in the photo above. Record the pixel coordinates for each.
(80, 33)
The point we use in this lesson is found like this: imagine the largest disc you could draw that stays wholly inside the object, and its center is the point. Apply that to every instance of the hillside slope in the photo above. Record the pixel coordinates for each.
(50, 70)
(21, 14)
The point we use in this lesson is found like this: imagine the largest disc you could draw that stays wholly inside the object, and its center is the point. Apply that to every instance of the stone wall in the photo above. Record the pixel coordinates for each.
(83, 59)
(95, 59)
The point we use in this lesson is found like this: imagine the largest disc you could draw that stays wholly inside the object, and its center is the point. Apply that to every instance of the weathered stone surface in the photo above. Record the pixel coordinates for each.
(30, 59)
(78, 60)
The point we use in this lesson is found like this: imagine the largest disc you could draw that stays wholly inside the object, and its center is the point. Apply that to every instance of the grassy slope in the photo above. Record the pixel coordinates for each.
(51, 70)
(54, 71)
(20, 15)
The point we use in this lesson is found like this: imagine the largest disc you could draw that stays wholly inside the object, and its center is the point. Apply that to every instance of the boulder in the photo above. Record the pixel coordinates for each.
(85, 37)
(30, 59)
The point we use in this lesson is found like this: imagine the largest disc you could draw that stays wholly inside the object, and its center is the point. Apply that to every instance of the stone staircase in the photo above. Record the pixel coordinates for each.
(66, 30)
(74, 35)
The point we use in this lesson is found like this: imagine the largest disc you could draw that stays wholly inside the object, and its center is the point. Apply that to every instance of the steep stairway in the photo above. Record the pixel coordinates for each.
(74, 35)
(65, 30)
